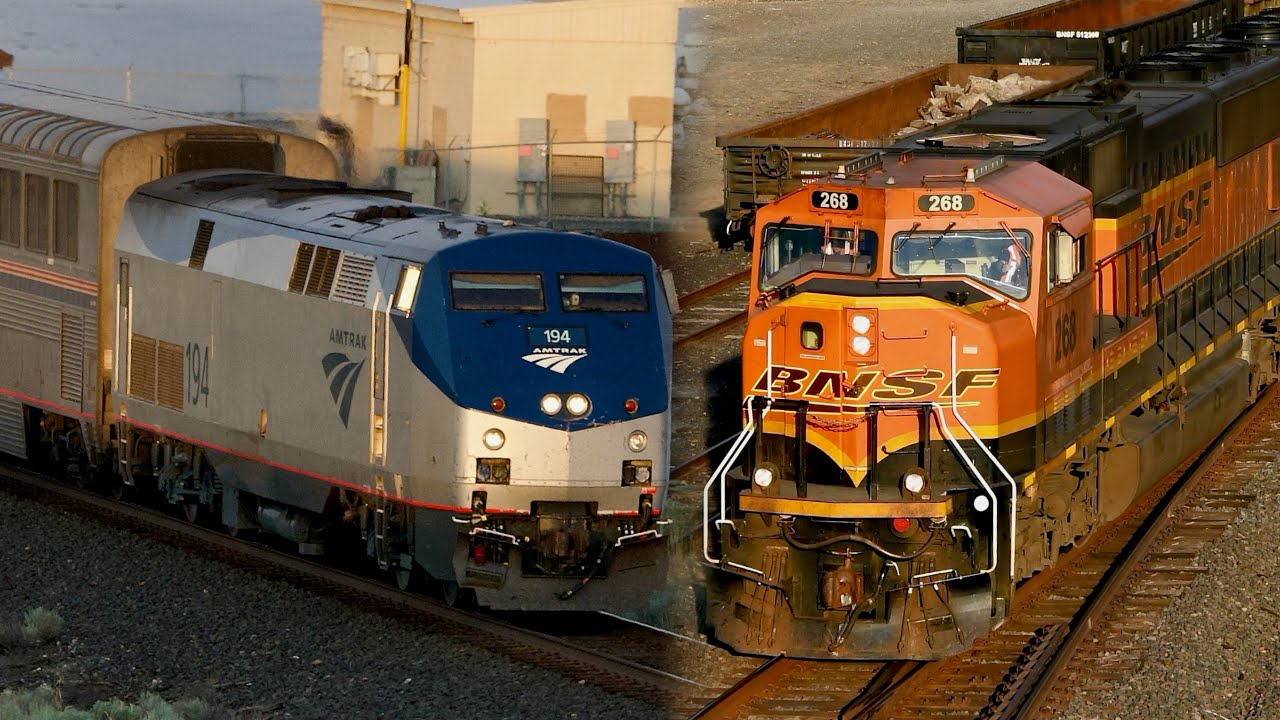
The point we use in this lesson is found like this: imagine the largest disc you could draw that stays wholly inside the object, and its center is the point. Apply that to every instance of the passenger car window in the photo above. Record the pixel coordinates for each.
(497, 291)
(609, 293)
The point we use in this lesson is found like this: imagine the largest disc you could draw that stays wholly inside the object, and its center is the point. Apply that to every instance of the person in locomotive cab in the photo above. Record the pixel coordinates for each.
(841, 242)
(1011, 267)
(837, 246)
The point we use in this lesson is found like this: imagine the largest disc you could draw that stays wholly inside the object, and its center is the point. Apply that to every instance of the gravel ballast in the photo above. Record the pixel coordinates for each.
(1216, 650)
(144, 616)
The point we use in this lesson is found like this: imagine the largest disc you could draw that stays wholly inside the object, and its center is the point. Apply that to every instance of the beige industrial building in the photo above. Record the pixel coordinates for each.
(530, 109)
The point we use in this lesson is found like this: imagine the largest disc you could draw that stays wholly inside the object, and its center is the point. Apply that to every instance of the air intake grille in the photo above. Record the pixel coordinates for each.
(314, 270)
(323, 268)
(301, 266)
(72, 381)
(142, 368)
(354, 275)
(201, 247)
(170, 377)
(156, 372)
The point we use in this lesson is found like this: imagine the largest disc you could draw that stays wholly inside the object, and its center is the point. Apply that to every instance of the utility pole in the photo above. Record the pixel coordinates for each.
(404, 79)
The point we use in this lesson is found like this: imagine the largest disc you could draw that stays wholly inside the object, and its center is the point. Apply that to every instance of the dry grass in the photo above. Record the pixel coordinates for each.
(40, 626)
(45, 703)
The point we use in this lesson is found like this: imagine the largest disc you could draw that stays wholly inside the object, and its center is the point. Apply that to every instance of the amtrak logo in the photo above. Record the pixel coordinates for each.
(343, 374)
(555, 359)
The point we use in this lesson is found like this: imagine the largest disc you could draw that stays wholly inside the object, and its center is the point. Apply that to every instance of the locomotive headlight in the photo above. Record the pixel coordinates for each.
(763, 477)
(550, 404)
(861, 344)
(637, 441)
(981, 503)
(860, 324)
(913, 481)
(494, 439)
(577, 405)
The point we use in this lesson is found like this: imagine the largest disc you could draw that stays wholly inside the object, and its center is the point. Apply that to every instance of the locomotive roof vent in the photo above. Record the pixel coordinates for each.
(981, 140)
(387, 212)
(1165, 71)
(1210, 62)
(1239, 53)
(861, 165)
(1256, 30)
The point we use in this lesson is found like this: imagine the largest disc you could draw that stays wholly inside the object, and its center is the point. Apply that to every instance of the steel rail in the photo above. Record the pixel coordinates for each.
(877, 692)
(713, 288)
(732, 702)
(1135, 555)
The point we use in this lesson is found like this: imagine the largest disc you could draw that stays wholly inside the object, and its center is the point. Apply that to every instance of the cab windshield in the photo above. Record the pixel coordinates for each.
(992, 257)
(789, 251)
(608, 293)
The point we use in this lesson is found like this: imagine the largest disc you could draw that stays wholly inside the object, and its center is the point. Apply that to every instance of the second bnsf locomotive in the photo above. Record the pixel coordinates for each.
(965, 355)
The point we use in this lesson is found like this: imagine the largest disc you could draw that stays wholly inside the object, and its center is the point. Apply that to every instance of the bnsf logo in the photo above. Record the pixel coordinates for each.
(1174, 224)
(873, 384)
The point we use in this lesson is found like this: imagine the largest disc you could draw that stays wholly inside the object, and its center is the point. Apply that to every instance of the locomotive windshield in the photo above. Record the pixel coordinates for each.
(497, 291)
(609, 293)
(992, 257)
(789, 251)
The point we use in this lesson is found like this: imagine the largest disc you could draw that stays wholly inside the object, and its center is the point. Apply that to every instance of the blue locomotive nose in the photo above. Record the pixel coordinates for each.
(527, 331)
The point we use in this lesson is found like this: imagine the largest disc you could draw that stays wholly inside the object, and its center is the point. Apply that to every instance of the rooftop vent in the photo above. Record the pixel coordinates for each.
(1255, 30)
(1165, 71)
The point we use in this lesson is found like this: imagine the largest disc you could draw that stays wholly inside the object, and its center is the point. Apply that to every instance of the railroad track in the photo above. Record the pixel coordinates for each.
(1082, 626)
(614, 654)
(712, 309)
(783, 687)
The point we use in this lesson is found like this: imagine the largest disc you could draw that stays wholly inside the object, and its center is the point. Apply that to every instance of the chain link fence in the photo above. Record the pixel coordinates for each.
(583, 183)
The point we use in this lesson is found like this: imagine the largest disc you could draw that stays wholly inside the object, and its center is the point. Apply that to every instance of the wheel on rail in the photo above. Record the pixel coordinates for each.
(119, 491)
(456, 596)
(409, 579)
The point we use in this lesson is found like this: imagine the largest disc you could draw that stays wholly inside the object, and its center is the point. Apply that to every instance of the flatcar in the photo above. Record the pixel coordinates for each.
(464, 400)
(965, 355)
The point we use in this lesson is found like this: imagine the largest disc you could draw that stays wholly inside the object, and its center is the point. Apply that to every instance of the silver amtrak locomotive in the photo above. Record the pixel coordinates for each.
(477, 403)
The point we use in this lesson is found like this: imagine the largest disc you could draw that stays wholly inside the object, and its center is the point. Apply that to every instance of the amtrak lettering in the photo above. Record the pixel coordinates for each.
(346, 338)
(874, 385)
(1188, 209)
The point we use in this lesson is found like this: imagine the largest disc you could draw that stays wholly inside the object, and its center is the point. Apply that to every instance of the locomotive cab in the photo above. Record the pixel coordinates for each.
(558, 363)
(892, 404)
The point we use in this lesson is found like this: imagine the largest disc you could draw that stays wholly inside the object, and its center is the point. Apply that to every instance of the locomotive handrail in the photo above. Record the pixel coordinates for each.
(973, 469)
(721, 470)
(1013, 489)
(1133, 302)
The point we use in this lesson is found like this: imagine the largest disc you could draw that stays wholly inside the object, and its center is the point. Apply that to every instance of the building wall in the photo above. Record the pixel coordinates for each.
(439, 87)
(579, 64)
(477, 72)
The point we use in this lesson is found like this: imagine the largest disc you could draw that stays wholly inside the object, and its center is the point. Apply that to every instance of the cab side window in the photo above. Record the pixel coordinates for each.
(1067, 256)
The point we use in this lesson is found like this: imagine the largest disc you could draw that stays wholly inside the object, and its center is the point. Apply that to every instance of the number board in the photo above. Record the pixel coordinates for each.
(575, 337)
(830, 200)
(954, 202)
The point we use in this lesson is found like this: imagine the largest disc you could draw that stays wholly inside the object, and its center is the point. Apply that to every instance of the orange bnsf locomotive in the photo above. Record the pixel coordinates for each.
(965, 355)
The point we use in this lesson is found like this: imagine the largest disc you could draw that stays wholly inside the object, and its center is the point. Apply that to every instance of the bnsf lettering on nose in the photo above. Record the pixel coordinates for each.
(872, 384)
